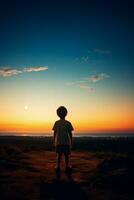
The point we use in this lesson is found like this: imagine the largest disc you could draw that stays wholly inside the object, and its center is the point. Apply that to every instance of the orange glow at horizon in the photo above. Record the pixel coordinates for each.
(30, 113)
(80, 125)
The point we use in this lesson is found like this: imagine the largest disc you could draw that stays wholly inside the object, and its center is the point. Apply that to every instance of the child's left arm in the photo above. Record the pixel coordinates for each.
(70, 134)
(71, 138)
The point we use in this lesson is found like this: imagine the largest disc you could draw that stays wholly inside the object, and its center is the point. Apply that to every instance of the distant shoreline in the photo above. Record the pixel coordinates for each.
(81, 135)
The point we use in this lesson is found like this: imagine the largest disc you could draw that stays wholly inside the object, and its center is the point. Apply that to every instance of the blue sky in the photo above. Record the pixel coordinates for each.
(77, 42)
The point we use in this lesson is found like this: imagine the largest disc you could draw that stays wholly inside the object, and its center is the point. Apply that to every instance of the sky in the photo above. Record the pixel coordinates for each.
(74, 54)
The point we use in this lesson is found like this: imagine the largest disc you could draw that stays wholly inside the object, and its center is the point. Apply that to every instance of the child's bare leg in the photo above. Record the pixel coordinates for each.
(66, 161)
(59, 156)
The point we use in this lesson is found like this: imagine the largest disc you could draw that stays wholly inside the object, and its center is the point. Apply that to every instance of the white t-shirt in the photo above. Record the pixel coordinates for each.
(62, 129)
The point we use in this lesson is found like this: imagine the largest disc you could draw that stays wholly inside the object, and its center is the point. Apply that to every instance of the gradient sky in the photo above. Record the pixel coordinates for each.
(76, 54)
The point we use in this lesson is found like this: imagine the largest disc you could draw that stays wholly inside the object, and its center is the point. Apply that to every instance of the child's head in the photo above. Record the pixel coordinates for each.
(62, 112)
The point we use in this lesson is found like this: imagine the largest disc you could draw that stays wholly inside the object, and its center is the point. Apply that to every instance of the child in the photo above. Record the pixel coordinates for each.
(62, 138)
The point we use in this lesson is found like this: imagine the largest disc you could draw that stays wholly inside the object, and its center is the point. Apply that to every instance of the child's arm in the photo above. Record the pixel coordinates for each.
(54, 136)
(54, 133)
(71, 138)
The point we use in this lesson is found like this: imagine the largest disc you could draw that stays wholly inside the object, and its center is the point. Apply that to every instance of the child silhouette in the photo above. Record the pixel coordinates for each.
(62, 138)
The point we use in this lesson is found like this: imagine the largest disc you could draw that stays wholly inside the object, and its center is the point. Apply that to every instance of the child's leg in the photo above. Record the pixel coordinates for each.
(59, 156)
(66, 160)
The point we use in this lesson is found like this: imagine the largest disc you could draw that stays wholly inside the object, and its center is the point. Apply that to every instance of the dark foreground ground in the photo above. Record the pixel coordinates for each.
(103, 169)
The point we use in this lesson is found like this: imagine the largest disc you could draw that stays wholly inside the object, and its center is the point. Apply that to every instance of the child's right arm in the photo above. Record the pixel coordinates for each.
(54, 133)
(54, 136)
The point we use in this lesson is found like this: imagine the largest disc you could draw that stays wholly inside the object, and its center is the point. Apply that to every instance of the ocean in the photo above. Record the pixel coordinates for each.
(93, 135)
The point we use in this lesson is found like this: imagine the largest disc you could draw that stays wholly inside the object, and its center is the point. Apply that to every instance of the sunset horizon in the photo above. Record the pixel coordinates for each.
(66, 100)
(79, 56)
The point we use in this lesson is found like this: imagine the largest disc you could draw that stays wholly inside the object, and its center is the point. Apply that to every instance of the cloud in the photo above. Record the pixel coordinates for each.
(75, 82)
(35, 69)
(87, 87)
(98, 77)
(85, 58)
(7, 71)
(82, 59)
(82, 85)
(102, 51)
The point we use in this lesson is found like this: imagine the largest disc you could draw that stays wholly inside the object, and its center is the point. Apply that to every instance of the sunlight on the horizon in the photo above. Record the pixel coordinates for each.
(86, 116)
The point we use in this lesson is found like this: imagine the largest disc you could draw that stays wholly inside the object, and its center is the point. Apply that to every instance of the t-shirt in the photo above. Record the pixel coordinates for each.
(62, 129)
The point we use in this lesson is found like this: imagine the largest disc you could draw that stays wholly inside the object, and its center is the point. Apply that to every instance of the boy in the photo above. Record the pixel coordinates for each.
(62, 138)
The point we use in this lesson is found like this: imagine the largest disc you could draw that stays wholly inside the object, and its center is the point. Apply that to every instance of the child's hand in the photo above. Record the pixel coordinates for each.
(53, 145)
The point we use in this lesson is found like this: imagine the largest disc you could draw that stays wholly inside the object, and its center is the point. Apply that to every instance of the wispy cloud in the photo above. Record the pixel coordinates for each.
(82, 84)
(102, 51)
(85, 83)
(35, 69)
(98, 77)
(87, 87)
(82, 59)
(86, 58)
(75, 82)
(8, 71)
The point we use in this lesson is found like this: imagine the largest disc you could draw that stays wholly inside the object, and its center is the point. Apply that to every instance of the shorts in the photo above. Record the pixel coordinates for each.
(65, 149)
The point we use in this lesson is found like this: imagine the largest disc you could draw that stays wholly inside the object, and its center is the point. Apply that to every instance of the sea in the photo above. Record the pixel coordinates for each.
(93, 135)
